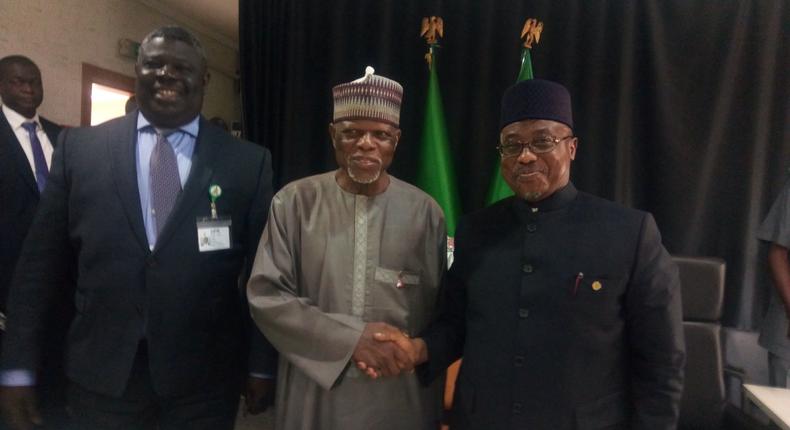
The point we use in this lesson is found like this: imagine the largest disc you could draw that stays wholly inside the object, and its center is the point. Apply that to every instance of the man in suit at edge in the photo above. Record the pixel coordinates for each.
(160, 213)
(26, 140)
(25, 161)
(565, 306)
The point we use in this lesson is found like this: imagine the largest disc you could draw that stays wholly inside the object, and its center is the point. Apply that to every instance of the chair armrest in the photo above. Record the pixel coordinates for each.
(739, 374)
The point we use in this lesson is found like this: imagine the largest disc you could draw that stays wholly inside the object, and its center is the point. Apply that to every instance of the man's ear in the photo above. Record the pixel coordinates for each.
(397, 138)
(572, 145)
(331, 130)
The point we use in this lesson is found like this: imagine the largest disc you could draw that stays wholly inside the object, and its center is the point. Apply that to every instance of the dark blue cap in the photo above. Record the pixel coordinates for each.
(536, 99)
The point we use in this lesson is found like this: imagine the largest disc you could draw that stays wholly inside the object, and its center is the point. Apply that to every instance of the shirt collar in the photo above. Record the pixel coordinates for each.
(15, 119)
(560, 199)
(191, 128)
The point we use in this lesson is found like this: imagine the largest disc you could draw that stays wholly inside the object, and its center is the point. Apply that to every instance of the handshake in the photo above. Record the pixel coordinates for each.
(384, 350)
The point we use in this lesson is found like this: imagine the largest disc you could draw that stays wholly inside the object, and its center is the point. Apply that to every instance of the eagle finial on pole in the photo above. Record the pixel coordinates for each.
(431, 29)
(531, 32)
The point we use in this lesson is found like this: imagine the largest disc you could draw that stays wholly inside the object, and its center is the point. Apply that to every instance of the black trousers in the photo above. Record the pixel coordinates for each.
(140, 407)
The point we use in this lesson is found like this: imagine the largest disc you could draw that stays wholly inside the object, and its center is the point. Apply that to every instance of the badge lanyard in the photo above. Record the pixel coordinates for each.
(214, 232)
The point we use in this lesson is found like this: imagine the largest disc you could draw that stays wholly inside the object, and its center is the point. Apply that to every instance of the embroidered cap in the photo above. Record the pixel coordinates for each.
(536, 99)
(371, 97)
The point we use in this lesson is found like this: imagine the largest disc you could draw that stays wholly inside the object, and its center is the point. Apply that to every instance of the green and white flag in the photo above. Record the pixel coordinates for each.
(436, 175)
(532, 28)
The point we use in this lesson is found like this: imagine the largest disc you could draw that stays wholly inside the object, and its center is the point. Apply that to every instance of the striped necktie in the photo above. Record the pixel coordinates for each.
(42, 171)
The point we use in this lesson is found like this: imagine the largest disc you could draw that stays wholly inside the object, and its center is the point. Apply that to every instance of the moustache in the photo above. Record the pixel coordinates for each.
(365, 158)
(530, 168)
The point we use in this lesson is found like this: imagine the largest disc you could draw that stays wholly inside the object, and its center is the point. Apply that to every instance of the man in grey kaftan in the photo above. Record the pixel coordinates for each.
(342, 250)
(775, 332)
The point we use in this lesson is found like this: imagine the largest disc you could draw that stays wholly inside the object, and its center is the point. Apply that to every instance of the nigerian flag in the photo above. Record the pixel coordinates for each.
(499, 189)
(436, 175)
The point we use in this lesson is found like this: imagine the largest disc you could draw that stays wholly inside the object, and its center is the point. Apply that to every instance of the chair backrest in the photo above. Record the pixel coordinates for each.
(702, 286)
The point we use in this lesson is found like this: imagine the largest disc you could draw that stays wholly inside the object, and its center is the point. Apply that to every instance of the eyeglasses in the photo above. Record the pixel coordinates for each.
(540, 145)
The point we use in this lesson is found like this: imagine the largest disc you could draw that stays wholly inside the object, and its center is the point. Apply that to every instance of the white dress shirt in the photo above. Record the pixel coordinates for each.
(15, 119)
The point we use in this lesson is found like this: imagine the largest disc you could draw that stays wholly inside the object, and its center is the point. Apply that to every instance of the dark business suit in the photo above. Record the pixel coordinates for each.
(187, 305)
(18, 196)
(567, 314)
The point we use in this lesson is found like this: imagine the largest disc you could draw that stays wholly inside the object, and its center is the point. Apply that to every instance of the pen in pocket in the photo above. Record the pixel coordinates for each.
(579, 278)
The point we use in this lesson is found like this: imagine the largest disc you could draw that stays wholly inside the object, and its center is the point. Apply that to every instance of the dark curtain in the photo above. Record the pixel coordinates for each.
(682, 107)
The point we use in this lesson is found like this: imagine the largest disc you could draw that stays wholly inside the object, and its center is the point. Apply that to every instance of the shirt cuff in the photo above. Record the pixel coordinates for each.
(17, 378)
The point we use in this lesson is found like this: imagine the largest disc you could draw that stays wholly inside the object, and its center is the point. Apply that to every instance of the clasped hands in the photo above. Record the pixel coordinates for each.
(384, 350)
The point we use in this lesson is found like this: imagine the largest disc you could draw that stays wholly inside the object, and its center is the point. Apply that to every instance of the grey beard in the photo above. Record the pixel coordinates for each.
(533, 196)
(362, 181)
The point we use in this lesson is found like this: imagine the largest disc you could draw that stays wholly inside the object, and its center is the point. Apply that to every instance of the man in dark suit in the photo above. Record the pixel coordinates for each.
(26, 141)
(21, 158)
(160, 214)
(564, 306)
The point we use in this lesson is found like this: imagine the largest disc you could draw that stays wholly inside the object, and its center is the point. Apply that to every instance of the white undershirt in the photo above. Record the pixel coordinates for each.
(15, 120)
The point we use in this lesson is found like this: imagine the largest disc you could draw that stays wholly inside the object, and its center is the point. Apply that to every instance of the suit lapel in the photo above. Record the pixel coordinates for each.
(122, 140)
(196, 186)
(51, 129)
(19, 157)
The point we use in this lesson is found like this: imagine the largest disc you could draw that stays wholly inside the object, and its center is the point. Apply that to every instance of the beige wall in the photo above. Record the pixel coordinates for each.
(59, 35)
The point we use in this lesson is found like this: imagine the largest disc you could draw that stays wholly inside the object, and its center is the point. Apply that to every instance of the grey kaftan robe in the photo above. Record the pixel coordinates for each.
(328, 262)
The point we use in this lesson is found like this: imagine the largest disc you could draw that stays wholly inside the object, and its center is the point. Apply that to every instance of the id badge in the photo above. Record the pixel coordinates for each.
(213, 234)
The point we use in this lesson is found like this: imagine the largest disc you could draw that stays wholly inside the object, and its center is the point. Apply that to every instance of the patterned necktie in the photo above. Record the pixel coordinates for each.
(38, 155)
(164, 181)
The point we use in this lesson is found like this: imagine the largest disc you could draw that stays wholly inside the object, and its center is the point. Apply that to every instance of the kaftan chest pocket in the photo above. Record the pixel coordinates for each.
(393, 296)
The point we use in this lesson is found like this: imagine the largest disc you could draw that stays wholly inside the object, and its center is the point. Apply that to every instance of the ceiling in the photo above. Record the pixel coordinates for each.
(216, 17)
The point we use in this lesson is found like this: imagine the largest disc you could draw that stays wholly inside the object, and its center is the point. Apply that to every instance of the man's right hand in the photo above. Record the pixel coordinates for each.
(19, 407)
(415, 348)
(384, 357)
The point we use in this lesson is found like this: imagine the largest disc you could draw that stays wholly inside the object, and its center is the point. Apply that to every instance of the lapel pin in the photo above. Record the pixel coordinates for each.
(596, 285)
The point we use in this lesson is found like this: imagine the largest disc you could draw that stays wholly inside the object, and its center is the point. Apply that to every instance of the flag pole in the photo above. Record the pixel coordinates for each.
(436, 173)
(530, 34)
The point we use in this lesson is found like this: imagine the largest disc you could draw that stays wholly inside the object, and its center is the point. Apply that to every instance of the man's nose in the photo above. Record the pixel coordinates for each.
(526, 155)
(366, 141)
(165, 70)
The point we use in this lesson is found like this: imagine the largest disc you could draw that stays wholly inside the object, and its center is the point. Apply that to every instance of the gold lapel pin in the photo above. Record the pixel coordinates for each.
(596, 285)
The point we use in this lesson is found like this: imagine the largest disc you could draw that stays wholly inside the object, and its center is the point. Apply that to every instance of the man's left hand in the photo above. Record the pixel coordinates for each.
(259, 394)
